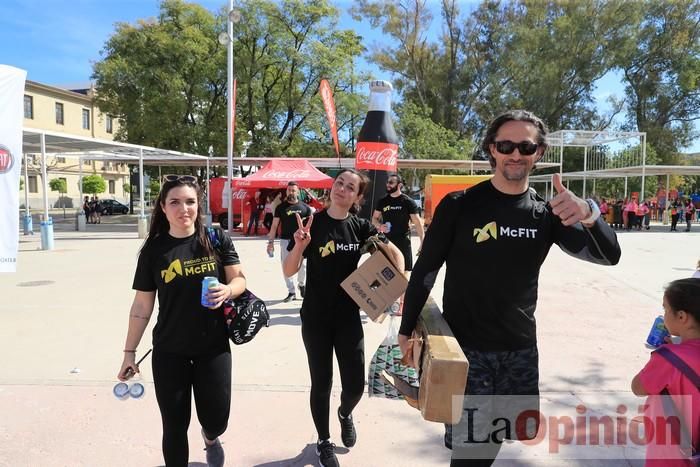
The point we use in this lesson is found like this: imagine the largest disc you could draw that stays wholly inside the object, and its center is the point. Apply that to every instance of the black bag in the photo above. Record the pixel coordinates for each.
(246, 314)
(245, 317)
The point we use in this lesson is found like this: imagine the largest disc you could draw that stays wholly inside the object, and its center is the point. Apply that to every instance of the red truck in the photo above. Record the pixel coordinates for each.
(218, 200)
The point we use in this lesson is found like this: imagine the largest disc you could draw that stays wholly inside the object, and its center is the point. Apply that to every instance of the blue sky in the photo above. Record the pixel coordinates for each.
(57, 41)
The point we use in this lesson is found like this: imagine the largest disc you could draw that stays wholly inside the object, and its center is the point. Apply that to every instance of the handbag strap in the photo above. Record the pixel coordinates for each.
(678, 363)
(669, 407)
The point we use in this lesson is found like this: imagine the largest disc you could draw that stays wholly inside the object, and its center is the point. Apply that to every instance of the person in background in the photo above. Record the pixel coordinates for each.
(631, 211)
(268, 213)
(675, 214)
(254, 209)
(86, 209)
(604, 209)
(396, 211)
(643, 215)
(191, 352)
(285, 215)
(659, 376)
(689, 209)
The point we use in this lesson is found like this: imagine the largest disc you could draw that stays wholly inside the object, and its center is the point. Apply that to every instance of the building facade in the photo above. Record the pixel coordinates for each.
(72, 112)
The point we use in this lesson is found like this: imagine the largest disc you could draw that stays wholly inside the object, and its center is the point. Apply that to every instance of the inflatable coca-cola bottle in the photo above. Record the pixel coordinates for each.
(377, 145)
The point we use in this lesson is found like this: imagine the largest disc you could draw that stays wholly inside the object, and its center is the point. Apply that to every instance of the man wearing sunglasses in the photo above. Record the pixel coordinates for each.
(494, 238)
(285, 216)
(392, 216)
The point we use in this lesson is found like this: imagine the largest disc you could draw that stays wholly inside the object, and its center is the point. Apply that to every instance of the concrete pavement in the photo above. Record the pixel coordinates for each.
(63, 320)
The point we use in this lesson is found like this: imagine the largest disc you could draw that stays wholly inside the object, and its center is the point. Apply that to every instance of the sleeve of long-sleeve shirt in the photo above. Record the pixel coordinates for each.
(596, 244)
(436, 247)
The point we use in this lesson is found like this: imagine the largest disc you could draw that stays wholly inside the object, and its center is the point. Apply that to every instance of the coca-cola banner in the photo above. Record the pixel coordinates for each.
(11, 113)
(329, 104)
(377, 156)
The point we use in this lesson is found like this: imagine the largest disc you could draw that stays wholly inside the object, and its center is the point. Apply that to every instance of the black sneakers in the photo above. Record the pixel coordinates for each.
(326, 454)
(347, 430)
(289, 298)
(302, 290)
(448, 436)
(215, 453)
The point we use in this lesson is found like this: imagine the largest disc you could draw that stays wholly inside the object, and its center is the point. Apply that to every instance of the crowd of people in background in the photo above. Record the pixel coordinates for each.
(628, 214)
(92, 208)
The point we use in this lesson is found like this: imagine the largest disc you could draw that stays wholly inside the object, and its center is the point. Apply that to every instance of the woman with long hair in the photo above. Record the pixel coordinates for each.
(191, 352)
(331, 242)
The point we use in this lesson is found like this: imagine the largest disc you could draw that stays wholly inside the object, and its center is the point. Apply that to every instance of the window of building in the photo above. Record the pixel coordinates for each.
(59, 113)
(33, 187)
(108, 124)
(87, 162)
(60, 160)
(28, 107)
(111, 187)
(86, 119)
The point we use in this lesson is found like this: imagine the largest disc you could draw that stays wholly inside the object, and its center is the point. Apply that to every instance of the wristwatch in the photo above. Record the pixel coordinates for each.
(595, 212)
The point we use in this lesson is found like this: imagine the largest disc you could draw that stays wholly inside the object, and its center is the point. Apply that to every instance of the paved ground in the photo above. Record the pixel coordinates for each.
(63, 320)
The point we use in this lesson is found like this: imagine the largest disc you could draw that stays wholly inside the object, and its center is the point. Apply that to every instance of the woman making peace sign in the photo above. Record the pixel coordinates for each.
(330, 319)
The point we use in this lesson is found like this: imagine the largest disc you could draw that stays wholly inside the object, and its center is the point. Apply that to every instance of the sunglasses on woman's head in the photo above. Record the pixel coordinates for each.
(525, 148)
(180, 178)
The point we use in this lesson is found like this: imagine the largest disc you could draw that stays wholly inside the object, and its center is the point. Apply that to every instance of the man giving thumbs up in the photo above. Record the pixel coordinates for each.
(494, 237)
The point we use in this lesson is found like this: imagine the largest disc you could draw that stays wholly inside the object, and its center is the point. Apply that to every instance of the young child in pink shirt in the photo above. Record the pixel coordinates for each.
(681, 318)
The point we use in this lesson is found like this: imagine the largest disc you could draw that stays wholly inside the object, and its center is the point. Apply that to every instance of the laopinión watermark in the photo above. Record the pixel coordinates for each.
(605, 425)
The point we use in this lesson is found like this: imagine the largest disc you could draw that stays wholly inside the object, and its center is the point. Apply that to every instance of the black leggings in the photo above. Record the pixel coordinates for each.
(347, 338)
(175, 377)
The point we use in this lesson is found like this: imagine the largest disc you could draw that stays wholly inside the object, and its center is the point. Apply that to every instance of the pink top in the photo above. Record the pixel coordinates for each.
(631, 207)
(659, 374)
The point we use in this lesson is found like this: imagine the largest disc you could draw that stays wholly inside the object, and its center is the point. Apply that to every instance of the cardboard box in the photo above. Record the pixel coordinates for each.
(376, 284)
(443, 367)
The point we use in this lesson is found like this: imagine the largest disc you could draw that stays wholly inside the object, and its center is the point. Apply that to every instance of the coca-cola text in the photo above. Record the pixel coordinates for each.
(376, 156)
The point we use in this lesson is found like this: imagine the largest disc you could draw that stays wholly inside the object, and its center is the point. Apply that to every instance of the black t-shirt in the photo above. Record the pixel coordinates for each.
(175, 268)
(494, 245)
(331, 257)
(288, 220)
(398, 211)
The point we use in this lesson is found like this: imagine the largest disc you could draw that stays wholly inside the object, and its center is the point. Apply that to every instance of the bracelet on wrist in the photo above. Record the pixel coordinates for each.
(129, 351)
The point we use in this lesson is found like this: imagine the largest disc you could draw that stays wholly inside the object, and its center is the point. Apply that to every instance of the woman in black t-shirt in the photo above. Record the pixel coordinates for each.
(330, 320)
(191, 352)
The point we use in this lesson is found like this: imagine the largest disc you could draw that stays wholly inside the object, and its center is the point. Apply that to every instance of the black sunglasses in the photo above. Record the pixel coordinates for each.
(525, 148)
(180, 178)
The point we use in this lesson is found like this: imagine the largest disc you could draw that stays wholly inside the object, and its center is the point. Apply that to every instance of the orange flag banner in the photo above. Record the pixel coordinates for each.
(327, 96)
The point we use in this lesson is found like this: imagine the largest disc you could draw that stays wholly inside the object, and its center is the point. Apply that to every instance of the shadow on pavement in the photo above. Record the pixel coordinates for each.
(306, 457)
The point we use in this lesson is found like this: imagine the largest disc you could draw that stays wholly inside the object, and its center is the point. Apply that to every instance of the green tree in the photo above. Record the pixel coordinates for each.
(59, 185)
(94, 184)
(166, 78)
(541, 55)
(661, 69)
(283, 50)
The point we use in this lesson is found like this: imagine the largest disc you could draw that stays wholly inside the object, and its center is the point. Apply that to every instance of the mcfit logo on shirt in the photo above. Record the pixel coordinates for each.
(328, 249)
(491, 230)
(486, 232)
(331, 248)
(173, 270)
(190, 267)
